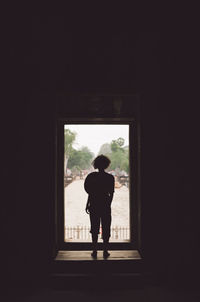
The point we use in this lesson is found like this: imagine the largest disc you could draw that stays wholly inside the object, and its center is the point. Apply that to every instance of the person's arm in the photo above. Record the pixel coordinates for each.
(87, 209)
(86, 187)
(112, 189)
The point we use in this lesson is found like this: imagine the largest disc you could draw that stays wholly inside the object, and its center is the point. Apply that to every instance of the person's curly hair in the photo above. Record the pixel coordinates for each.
(101, 162)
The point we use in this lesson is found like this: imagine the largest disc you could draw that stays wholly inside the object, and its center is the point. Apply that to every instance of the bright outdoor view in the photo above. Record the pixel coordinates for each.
(82, 144)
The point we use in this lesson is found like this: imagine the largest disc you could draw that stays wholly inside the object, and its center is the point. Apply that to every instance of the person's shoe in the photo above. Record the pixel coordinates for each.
(106, 254)
(94, 254)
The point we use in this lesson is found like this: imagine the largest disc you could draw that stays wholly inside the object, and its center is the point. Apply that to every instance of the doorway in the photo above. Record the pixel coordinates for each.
(82, 143)
(79, 141)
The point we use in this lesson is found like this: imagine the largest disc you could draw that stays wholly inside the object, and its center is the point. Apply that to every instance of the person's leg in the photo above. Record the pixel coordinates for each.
(105, 248)
(94, 244)
(95, 224)
(106, 223)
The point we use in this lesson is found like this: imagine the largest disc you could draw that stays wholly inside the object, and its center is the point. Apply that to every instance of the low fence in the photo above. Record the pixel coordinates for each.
(120, 233)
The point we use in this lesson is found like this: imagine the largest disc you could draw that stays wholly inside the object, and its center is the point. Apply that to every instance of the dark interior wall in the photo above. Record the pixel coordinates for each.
(46, 59)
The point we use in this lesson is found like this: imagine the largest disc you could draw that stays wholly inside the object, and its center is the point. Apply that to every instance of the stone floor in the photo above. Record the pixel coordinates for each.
(86, 255)
(147, 294)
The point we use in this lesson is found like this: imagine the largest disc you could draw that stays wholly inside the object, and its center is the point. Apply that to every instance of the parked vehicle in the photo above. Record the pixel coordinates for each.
(68, 180)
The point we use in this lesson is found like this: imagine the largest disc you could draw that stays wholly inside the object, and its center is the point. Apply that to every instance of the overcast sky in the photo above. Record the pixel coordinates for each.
(94, 136)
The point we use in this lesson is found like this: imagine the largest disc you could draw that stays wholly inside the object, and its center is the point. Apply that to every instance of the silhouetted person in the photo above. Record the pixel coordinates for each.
(100, 188)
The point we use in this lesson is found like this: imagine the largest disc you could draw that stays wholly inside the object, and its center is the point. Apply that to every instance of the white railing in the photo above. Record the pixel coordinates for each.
(83, 233)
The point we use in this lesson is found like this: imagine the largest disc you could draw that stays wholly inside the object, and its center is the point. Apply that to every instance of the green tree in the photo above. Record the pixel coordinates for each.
(69, 140)
(117, 144)
(119, 160)
(120, 141)
(81, 159)
(105, 149)
(119, 154)
(86, 157)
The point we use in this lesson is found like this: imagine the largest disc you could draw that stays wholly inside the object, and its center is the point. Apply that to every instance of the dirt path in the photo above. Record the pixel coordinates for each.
(75, 202)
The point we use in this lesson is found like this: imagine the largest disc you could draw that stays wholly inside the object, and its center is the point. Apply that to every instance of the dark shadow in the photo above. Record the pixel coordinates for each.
(100, 188)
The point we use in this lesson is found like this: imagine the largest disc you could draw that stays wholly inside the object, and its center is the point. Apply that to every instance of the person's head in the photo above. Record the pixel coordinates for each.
(101, 162)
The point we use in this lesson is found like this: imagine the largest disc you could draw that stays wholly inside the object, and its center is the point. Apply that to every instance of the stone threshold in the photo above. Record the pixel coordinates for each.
(86, 255)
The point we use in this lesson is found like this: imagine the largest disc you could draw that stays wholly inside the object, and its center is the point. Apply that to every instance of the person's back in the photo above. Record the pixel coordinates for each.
(99, 186)
(100, 189)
